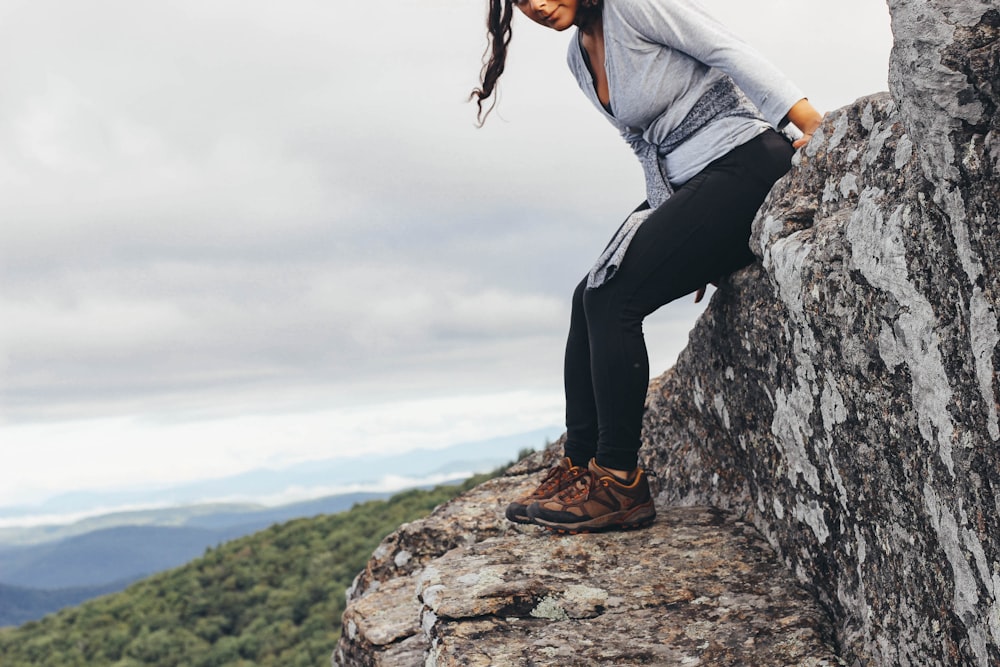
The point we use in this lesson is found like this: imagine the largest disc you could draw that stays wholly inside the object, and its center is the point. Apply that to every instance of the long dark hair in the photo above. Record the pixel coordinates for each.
(498, 38)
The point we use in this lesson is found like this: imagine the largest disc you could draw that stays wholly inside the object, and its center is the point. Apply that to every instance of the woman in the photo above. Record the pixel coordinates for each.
(700, 108)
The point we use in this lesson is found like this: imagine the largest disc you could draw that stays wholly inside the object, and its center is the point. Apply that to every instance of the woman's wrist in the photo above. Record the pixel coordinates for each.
(804, 116)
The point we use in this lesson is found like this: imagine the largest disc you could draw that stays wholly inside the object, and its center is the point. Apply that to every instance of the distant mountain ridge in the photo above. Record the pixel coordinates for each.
(20, 605)
(44, 568)
(210, 515)
(300, 482)
(273, 599)
(103, 556)
(39, 579)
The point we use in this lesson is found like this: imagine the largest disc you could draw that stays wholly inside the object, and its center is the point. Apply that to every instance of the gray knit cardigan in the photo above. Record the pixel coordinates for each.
(684, 91)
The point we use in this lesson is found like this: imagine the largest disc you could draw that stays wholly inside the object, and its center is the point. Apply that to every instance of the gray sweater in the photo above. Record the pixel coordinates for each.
(669, 62)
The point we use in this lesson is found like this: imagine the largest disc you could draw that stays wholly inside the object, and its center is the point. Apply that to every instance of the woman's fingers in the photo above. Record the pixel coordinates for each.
(802, 141)
(700, 294)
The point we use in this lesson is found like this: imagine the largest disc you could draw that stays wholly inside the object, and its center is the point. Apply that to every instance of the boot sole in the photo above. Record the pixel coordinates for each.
(518, 518)
(602, 524)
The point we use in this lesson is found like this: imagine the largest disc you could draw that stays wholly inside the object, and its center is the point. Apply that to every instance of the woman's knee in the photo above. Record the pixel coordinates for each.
(591, 300)
(606, 307)
(578, 294)
(578, 312)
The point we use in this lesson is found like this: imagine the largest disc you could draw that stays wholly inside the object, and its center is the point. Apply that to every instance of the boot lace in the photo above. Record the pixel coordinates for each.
(555, 478)
(579, 490)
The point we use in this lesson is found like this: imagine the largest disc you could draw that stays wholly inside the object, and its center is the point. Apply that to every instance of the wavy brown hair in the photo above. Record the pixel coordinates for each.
(498, 35)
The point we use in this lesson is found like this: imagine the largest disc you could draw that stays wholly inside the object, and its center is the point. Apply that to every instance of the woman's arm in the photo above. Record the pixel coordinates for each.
(685, 26)
(804, 116)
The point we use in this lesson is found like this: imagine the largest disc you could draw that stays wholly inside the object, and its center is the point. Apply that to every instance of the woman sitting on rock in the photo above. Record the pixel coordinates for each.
(700, 108)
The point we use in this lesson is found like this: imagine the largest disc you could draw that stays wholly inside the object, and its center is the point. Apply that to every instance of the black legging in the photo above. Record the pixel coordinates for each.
(700, 234)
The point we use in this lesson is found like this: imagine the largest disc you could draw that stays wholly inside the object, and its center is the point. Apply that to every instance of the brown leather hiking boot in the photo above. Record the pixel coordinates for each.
(555, 479)
(594, 501)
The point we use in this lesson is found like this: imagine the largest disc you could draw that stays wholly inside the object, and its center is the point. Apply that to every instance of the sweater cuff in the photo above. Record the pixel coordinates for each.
(779, 101)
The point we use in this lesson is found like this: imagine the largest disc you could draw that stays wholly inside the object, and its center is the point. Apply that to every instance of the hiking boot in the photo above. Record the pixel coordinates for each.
(555, 479)
(597, 500)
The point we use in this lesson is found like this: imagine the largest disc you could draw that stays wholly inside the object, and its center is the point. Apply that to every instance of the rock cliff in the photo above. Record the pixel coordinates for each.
(843, 394)
(840, 397)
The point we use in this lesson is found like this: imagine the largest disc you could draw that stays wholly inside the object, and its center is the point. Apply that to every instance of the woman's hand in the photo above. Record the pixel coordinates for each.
(804, 116)
(802, 141)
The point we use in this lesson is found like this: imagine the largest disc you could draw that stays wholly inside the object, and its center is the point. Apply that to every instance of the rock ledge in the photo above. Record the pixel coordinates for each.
(699, 587)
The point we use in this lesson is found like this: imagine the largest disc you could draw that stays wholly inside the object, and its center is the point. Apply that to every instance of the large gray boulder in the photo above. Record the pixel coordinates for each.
(840, 396)
(843, 394)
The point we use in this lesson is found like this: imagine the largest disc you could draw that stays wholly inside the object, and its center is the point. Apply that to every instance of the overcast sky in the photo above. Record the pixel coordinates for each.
(249, 233)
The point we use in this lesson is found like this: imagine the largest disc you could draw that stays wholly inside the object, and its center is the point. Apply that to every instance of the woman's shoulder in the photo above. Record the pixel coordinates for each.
(663, 22)
(638, 13)
(634, 15)
(620, 7)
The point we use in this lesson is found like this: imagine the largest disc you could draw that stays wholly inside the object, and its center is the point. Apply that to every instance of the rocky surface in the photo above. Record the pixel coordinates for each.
(698, 588)
(841, 396)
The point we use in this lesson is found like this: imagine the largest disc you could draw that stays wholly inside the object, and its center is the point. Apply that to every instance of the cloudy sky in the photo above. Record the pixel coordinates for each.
(238, 234)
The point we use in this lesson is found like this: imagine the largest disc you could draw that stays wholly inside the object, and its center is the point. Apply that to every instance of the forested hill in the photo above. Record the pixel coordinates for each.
(273, 598)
